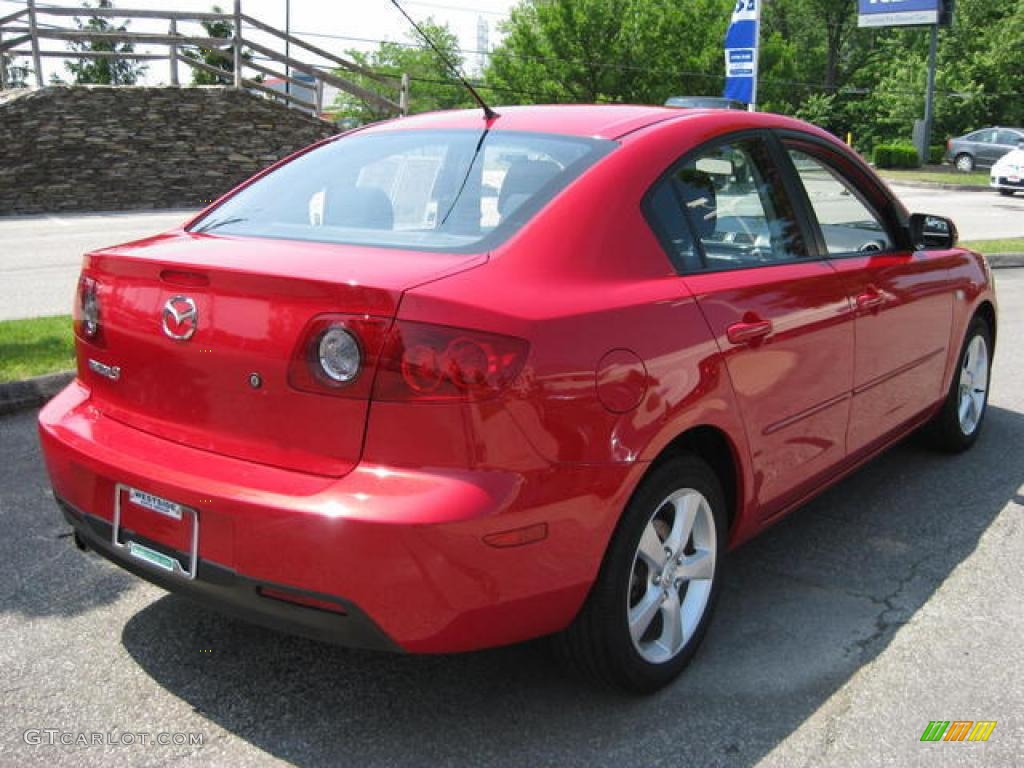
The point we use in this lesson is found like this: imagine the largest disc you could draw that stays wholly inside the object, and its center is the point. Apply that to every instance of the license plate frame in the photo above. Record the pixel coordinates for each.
(146, 555)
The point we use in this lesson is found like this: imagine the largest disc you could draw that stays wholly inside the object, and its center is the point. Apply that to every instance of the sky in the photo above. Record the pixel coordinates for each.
(310, 19)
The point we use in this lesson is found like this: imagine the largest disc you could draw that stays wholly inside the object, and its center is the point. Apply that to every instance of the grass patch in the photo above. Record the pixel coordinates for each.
(938, 174)
(1009, 245)
(36, 346)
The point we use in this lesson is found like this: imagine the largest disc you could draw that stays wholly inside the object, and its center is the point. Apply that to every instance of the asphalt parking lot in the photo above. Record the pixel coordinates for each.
(892, 600)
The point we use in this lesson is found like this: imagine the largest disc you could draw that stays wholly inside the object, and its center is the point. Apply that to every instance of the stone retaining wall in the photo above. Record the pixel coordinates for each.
(96, 148)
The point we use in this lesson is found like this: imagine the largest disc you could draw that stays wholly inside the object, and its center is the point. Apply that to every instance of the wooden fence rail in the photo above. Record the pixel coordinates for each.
(23, 26)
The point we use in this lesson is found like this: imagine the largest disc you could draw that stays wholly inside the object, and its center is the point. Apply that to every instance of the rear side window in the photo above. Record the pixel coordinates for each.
(725, 208)
(456, 191)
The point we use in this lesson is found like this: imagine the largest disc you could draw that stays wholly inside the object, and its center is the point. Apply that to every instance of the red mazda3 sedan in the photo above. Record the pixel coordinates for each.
(451, 382)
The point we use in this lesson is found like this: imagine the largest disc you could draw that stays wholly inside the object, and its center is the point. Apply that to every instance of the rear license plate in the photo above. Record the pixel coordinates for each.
(162, 524)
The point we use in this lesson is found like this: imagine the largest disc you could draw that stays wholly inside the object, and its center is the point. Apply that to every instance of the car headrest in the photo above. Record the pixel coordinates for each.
(697, 190)
(522, 181)
(360, 207)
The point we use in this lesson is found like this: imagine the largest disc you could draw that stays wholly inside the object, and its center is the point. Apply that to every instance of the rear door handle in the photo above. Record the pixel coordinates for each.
(872, 298)
(748, 332)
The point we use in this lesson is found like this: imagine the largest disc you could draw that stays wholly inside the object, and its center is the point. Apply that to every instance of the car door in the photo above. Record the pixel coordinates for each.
(902, 299)
(981, 146)
(1006, 142)
(782, 320)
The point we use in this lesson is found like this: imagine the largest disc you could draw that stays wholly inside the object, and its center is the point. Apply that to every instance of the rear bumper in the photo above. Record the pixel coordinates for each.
(229, 592)
(402, 551)
(1003, 182)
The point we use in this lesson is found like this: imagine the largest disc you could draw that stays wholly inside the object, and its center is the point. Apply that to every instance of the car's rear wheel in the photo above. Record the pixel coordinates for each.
(957, 425)
(1006, 192)
(964, 162)
(650, 606)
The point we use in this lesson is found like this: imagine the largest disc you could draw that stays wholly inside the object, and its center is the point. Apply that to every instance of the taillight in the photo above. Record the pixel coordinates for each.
(423, 362)
(337, 355)
(87, 309)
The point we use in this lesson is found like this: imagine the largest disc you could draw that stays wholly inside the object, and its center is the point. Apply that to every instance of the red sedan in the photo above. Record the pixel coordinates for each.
(451, 382)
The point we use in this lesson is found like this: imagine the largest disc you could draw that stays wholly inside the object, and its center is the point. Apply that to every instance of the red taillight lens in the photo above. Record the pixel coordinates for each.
(423, 362)
(87, 309)
(337, 355)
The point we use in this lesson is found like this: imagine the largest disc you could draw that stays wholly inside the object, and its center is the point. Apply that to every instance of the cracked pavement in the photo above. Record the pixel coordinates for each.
(892, 600)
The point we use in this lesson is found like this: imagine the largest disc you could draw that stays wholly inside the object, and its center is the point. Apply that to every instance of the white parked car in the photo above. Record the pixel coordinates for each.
(1008, 172)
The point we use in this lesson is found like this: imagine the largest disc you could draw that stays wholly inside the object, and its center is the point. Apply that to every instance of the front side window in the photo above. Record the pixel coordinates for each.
(847, 223)
(456, 191)
(1008, 138)
(725, 208)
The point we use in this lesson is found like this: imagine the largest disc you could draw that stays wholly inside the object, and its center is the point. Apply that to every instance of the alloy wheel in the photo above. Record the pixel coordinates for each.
(965, 163)
(672, 574)
(973, 385)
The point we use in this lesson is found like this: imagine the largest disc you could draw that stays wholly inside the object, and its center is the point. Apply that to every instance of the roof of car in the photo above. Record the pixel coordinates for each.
(601, 121)
(605, 121)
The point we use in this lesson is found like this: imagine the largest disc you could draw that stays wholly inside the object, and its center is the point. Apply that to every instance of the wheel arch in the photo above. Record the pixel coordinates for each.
(987, 312)
(713, 445)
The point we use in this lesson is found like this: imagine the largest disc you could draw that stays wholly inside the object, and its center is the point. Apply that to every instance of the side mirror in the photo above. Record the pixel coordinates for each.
(928, 231)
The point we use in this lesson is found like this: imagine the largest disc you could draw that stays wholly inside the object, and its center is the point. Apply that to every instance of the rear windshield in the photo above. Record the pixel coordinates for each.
(454, 191)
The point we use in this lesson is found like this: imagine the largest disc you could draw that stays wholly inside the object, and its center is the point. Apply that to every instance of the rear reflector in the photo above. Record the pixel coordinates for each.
(517, 536)
(287, 596)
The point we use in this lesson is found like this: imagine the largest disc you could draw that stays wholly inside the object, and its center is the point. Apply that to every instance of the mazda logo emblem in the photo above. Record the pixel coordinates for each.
(180, 318)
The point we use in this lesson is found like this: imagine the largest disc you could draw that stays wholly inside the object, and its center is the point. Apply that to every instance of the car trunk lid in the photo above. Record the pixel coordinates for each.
(225, 387)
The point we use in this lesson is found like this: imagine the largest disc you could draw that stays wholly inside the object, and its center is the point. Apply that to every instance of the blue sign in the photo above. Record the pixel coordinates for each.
(741, 44)
(894, 13)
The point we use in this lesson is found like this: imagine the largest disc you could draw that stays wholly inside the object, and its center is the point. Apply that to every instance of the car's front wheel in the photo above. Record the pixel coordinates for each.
(1006, 192)
(650, 606)
(964, 162)
(957, 425)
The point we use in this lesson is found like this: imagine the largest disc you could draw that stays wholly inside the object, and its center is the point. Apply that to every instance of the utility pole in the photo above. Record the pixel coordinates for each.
(923, 151)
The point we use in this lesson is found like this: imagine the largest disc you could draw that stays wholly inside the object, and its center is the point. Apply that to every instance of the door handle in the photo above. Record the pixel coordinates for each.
(748, 332)
(872, 298)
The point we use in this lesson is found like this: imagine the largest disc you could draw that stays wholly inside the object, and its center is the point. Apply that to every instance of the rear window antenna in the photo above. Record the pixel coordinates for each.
(489, 114)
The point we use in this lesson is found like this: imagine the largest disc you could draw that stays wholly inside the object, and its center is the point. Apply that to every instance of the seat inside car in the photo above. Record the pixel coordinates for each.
(696, 191)
(523, 180)
(359, 207)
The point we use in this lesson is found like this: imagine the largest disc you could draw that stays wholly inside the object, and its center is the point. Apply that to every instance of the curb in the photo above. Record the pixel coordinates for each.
(1005, 260)
(936, 185)
(31, 393)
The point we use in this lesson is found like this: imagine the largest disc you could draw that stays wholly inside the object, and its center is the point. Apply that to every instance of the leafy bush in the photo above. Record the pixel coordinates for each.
(936, 154)
(896, 156)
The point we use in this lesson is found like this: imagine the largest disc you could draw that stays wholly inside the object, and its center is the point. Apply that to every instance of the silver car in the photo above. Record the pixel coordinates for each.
(983, 148)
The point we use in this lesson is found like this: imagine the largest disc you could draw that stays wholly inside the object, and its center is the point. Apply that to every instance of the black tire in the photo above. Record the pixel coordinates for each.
(945, 431)
(598, 643)
(1006, 192)
(964, 162)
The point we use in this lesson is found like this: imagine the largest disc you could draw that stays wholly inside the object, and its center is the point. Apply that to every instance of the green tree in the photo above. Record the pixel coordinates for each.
(611, 50)
(432, 86)
(110, 71)
(220, 56)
